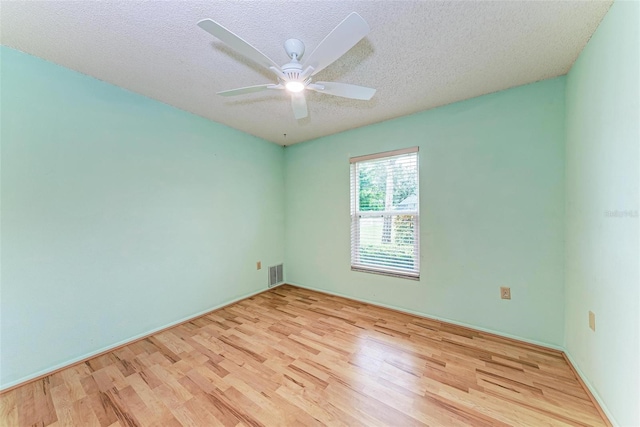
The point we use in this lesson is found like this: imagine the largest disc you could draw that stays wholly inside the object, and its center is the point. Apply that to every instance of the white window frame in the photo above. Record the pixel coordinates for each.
(356, 215)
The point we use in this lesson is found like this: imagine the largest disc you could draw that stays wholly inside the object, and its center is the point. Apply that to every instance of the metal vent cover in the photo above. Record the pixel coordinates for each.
(275, 275)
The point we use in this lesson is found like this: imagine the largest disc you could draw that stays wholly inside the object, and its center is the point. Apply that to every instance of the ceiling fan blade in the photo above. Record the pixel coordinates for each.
(236, 43)
(299, 104)
(248, 89)
(338, 42)
(344, 90)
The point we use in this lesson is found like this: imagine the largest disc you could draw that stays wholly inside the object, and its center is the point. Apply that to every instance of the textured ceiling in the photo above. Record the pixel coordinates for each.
(418, 55)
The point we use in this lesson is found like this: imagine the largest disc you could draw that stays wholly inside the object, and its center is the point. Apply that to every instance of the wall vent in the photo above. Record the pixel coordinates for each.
(275, 275)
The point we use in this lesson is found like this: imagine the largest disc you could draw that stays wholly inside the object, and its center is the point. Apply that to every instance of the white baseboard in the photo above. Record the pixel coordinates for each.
(134, 338)
(429, 316)
(592, 389)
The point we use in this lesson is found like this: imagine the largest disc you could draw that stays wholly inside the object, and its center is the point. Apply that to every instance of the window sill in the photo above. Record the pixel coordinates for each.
(399, 275)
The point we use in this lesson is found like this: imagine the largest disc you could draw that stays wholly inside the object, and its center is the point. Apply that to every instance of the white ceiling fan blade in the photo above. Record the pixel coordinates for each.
(236, 43)
(299, 104)
(344, 90)
(338, 42)
(248, 89)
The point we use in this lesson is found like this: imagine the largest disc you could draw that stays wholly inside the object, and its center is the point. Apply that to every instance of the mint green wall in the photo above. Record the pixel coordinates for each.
(602, 254)
(120, 215)
(492, 212)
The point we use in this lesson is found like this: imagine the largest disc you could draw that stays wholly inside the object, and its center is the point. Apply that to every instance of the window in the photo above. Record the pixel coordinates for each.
(385, 207)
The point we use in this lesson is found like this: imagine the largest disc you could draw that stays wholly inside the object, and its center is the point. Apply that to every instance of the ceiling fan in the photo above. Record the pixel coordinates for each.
(296, 77)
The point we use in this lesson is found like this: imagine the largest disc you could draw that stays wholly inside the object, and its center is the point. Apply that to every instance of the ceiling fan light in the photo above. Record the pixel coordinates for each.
(294, 87)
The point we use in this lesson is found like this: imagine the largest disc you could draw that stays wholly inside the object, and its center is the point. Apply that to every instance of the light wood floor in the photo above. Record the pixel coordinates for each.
(291, 356)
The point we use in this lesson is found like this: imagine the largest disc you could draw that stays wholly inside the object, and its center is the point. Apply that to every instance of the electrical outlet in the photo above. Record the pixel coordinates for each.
(505, 293)
(592, 321)
(258, 265)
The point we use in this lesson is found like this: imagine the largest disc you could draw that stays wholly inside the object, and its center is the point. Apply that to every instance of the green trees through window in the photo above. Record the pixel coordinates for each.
(374, 186)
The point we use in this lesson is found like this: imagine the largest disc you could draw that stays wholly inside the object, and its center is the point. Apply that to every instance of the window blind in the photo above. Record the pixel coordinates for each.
(385, 208)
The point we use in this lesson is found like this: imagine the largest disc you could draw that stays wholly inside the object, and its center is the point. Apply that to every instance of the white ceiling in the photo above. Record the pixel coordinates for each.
(419, 54)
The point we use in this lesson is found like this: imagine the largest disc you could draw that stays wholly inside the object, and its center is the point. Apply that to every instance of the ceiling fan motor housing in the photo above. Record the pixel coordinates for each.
(292, 71)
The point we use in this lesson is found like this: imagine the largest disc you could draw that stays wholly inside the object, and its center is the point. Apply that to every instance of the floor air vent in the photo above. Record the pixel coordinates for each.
(275, 275)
